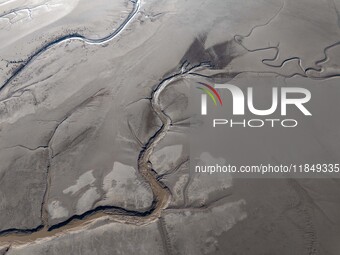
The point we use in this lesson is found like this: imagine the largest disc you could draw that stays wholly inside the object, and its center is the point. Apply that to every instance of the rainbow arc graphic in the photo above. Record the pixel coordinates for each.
(212, 93)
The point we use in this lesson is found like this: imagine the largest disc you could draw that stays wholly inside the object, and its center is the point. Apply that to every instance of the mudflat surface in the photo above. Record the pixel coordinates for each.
(94, 124)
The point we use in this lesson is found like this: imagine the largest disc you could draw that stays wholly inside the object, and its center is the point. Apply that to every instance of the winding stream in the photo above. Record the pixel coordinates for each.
(160, 192)
(106, 39)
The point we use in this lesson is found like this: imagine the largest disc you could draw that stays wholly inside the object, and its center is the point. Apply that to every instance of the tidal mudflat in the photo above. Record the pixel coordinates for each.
(95, 118)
